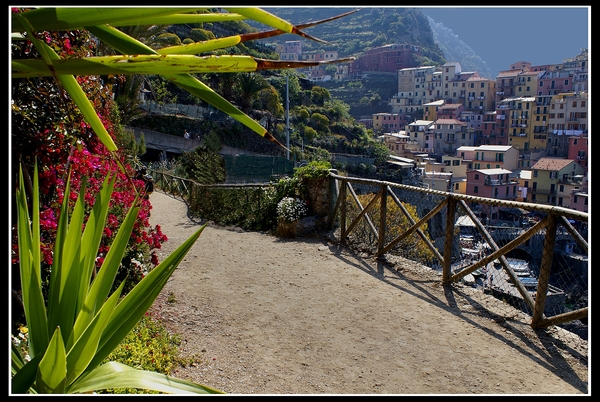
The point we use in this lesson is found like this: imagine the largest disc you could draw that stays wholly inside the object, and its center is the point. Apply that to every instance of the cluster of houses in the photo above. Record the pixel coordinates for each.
(521, 137)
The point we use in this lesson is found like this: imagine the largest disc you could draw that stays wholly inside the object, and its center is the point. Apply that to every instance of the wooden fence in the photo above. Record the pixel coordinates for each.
(449, 202)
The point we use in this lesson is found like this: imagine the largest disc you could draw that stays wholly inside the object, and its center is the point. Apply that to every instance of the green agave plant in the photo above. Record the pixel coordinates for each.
(81, 324)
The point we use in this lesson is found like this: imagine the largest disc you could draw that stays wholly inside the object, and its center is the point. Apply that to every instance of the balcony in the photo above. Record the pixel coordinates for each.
(543, 191)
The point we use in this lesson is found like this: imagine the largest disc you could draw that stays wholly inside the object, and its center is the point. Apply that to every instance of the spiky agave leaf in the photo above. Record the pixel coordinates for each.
(94, 323)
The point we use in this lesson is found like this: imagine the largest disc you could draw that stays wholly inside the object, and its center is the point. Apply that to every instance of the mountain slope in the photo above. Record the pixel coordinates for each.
(455, 49)
(366, 28)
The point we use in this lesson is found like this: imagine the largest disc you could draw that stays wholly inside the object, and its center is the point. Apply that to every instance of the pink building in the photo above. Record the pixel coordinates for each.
(578, 150)
(388, 58)
(579, 197)
(492, 183)
(386, 122)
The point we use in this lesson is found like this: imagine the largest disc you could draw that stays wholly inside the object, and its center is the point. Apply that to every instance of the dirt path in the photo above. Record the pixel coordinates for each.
(304, 316)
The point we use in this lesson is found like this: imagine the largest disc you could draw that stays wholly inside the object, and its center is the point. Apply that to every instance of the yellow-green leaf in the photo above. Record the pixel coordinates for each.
(68, 18)
(52, 372)
(117, 375)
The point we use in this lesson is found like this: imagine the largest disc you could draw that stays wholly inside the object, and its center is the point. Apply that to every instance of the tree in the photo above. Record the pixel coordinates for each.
(320, 121)
(270, 105)
(319, 95)
(249, 85)
(291, 86)
(127, 98)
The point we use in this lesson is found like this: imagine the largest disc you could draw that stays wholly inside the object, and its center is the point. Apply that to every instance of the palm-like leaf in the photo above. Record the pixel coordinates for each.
(101, 22)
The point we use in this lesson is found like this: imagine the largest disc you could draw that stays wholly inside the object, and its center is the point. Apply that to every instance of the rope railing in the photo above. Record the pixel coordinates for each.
(424, 226)
(438, 209)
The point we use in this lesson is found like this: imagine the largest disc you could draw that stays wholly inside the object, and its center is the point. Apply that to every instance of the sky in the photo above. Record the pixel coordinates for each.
(504, 35)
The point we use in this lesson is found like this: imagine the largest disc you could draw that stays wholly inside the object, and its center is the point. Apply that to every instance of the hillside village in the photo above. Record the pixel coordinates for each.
(521, 137)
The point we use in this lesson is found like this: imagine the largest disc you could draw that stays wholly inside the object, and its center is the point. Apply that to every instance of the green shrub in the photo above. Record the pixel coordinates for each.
(149, 346)
(314, 170)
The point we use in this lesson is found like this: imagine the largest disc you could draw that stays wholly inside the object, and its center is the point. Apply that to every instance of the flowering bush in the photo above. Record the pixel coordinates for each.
(291, 209)
(53, 133)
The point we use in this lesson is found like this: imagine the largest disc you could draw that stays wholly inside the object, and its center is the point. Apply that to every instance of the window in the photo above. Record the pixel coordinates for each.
(476, 176)
(475, 189)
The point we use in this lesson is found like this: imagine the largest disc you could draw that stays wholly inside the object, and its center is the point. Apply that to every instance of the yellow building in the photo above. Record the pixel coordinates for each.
(520, 118)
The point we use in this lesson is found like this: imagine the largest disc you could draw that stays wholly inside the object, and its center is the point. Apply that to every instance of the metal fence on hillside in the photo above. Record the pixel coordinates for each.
(194, 111)
(256, 169)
